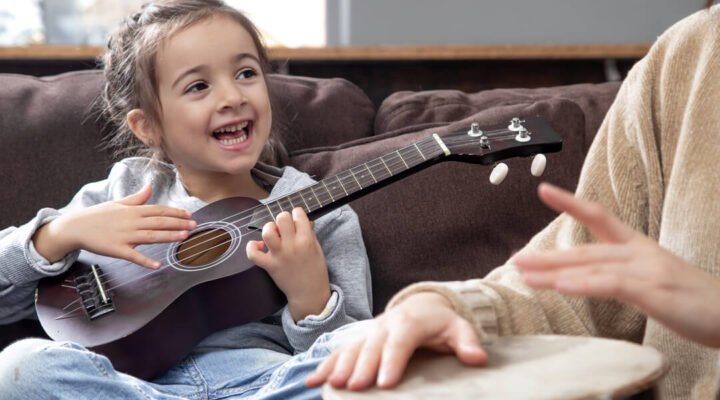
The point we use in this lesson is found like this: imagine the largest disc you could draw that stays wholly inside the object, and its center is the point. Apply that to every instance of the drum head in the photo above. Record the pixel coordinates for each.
(527, 367)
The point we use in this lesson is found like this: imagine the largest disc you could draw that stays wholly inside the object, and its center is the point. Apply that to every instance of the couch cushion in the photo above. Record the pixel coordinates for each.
(50, 137)
(448, 222)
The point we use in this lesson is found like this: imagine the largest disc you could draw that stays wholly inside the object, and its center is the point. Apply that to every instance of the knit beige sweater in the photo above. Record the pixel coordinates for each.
(654, 163)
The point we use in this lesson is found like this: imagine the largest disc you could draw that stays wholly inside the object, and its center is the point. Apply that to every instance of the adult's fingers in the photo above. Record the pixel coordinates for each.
(599, 221)
(465, 343)
(573, 257)
(404, 337)
(323, 371)
(345, 364)
(368, 363)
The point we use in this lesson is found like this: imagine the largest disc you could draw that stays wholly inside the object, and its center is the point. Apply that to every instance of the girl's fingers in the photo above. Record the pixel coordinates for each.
(166, 223)
(164, 211)
(285, 225)
(152, 236)
(601, 223)
(138, 198)
(271, 236)
(254, 253)
(138, 258)
(301, 221)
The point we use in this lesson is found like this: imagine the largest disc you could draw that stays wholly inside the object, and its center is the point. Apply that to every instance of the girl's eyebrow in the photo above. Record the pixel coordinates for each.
(201, 67)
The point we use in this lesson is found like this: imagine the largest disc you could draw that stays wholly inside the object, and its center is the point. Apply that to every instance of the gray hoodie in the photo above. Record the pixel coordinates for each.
(21, 267)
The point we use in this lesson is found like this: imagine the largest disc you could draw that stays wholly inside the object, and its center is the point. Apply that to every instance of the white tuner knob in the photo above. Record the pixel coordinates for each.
(538, 165)
(498, 174)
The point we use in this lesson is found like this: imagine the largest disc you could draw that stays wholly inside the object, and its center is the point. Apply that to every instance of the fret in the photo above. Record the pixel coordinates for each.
(348, 181)
(272, 216)
(355, 177)
(361, 174)
(386, 166)
(401, 159)
(327, 190)
(337, 177)
(419, 151)
(260, 217)
(371, 174)
(317, 199)
(302, 197)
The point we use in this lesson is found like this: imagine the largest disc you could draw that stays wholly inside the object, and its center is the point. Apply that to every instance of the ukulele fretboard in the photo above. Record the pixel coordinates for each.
(335, 190)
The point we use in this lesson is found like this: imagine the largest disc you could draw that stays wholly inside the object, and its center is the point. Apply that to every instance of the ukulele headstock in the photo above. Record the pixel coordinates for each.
(519, 137)
(531, 136)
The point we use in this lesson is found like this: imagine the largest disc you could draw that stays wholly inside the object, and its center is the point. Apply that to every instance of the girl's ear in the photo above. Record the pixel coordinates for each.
(143, 128)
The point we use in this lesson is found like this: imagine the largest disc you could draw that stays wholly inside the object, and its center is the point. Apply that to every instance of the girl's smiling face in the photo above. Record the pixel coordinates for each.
(215, 110)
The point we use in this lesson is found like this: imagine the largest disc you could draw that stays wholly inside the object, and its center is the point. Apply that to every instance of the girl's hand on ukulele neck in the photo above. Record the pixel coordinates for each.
(114, 229)
(295, 261)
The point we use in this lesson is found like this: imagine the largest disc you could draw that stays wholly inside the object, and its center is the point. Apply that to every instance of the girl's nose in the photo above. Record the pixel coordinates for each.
(231, 97)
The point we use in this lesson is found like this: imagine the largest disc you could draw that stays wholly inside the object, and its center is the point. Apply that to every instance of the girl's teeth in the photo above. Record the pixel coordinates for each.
(235, 128)
(234, 140)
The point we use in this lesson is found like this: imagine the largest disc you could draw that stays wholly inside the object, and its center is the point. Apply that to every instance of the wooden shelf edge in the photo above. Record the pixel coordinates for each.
(378, 53)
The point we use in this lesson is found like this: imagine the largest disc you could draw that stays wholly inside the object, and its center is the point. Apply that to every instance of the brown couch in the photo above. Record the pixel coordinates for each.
(446, 222)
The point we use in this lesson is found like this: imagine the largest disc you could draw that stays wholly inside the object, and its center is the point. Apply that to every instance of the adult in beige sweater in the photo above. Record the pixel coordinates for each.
(653, 164)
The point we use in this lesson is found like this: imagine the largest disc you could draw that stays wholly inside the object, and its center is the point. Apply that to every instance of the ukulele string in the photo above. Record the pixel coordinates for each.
(252, 211)
(454, 141)
(210, 233)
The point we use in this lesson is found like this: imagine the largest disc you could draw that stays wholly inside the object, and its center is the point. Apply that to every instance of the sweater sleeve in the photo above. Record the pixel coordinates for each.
(341, 240)
(622, 172)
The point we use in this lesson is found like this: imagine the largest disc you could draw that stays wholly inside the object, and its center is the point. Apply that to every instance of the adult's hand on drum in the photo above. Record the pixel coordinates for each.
(628, 266)
(422, 320)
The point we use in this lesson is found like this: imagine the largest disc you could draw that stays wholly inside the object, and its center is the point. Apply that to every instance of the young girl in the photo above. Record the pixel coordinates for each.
(650, 275)
(185, 79)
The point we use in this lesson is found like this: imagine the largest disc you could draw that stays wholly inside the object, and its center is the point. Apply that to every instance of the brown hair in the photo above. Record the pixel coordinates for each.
(709, 3)
(130, 74)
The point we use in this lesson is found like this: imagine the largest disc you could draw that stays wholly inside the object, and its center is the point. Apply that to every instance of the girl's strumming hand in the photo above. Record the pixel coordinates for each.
(114, 229)
(628, 266)
(295, 261)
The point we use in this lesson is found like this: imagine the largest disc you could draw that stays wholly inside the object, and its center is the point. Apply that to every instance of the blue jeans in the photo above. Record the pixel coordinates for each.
(43, 369)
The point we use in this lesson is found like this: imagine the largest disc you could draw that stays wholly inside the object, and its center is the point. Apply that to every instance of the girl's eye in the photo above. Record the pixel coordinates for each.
(196, 87)
(246, 73)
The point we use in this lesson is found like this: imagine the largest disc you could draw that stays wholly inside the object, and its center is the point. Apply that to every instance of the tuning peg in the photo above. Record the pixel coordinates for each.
(498, 174)
(538, 165)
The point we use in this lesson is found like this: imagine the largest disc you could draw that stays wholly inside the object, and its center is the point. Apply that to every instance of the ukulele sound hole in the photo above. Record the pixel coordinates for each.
(203, 247)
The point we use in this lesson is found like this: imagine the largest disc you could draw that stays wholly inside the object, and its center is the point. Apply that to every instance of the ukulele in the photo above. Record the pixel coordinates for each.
(147, 320)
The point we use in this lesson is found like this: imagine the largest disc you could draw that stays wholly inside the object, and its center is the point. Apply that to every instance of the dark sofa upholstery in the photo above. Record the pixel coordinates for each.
(446, 222)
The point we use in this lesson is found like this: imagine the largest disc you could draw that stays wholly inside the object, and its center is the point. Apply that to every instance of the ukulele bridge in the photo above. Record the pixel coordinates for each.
(91, 287)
